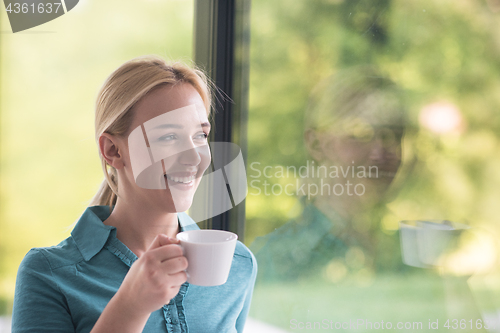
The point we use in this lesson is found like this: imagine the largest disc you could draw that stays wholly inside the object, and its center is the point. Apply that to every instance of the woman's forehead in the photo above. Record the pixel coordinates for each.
(185, 118)
(167, 99)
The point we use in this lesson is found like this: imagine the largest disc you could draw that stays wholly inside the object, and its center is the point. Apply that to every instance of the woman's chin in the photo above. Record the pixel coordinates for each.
(182, 204)
(182, 195)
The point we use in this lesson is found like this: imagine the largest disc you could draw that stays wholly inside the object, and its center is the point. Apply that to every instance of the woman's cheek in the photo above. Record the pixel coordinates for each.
(205, 156)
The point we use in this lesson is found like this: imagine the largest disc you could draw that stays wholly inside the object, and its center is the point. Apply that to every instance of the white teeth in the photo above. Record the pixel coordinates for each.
(382, 174)
(182, 180)
(387, 174)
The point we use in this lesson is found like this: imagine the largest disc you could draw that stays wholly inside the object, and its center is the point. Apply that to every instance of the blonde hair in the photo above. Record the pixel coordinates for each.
(349, 93)
(122, 90)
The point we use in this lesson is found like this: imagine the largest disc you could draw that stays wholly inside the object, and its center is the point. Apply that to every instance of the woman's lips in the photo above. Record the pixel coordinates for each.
(381, 174)
(181, 180)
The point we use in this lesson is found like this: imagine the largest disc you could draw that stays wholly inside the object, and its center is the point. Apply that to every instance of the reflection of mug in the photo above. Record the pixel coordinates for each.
(423, 243)
(209, 254)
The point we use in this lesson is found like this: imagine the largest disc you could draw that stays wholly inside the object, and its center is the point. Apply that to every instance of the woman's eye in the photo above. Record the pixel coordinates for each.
(202, 136)
(168, 137)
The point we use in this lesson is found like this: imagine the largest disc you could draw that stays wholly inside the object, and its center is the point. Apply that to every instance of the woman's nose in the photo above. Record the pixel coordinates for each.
(384, 151)
(190, 156)
(377, 150)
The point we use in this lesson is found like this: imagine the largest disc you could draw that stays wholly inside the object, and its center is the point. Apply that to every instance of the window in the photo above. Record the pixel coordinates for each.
(363, 114)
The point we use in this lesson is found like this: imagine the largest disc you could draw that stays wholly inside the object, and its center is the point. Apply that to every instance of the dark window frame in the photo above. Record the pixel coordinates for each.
(221, 49)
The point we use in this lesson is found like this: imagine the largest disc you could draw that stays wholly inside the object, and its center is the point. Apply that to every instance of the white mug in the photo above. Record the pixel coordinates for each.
(209, 254)
(423, 243)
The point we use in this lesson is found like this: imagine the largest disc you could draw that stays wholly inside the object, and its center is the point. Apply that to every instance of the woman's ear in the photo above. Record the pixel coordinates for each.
(313, 145)
(111, 151)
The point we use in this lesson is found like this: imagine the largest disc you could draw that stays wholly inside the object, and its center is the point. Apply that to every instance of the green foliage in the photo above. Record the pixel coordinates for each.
(4, 306)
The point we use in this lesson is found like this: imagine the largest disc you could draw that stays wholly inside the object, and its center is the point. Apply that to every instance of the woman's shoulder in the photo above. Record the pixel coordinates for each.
(243, 251)
(244, 257)
(64, 254)
(38, 300)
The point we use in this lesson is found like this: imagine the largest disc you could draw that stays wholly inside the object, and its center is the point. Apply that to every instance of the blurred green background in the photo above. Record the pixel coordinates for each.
(445, 51)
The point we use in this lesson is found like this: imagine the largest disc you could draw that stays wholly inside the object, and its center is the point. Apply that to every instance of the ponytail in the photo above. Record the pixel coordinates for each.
(107, 195)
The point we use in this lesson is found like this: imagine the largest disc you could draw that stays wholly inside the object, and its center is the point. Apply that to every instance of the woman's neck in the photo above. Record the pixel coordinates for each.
(137, 225)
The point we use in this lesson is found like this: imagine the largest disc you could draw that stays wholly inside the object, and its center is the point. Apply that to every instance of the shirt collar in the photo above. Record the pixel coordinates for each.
(90, 234)
(186, 222)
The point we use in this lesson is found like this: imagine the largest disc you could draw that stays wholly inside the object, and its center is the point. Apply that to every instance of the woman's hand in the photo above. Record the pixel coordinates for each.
(152, 281)
(155, 278)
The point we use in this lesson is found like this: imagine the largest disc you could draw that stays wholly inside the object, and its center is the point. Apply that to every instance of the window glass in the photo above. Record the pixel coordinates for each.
(373, 164)
(50, 76)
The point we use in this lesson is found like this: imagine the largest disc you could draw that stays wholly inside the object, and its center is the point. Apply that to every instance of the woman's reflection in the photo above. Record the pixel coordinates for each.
(354, 126)
(335, 260)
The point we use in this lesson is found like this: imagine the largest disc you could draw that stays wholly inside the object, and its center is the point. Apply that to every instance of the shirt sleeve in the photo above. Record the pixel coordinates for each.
(39, 305)
(242, 317)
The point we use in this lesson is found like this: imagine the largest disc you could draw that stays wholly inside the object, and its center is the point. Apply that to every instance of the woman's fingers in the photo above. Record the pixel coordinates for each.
(163, 253)
(155, 278)
(165, 260)
(174, 265)
(177, 279)
(168, 259)
(161, 240)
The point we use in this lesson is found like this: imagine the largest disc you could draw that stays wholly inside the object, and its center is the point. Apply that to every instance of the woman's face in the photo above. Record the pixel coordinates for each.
(369, 146)
(166, 148)
(377, 147)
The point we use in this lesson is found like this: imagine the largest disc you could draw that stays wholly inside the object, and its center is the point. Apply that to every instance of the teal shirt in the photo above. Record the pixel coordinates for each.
(297, 281)
(306, 245)
(65, 288)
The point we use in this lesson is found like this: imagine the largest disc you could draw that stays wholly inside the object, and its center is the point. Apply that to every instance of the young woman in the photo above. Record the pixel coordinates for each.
(122, 270)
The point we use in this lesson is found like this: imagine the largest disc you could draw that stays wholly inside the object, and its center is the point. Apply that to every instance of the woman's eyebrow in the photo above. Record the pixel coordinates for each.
(168, 126)
(163, 126)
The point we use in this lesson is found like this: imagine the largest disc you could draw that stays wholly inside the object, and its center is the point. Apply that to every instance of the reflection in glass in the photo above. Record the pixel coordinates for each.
(444, 58)
(334, 263)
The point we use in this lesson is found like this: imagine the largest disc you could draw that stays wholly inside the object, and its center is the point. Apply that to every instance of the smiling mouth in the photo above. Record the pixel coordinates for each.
(181, 180)
(382, 174)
